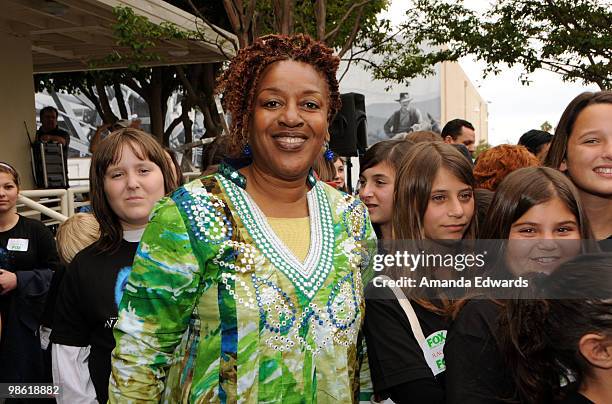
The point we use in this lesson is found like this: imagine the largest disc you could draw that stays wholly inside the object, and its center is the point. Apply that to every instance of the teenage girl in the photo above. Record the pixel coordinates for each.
(539, 212)
(129, 173)
(28, 259)
(405, 334)
(572, 342)
(582, 149)
(377, 182)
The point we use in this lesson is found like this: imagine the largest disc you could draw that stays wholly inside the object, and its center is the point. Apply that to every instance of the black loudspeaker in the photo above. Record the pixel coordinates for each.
(348, 130)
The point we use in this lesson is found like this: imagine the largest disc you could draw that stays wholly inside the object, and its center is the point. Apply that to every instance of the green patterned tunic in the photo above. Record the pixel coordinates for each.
(217, 309)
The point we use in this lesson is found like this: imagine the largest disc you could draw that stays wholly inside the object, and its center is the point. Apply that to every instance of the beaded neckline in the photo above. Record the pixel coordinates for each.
(308, 276)
(231, 173)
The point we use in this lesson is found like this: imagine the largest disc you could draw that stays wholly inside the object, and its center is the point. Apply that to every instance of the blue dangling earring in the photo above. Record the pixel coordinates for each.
(329, 155)
(246, 150)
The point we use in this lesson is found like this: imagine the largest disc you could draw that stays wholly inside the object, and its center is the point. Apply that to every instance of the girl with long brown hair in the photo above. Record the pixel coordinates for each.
(582, 149)
(538, 211)
(405, 332)
(560, 333)
(129, 173)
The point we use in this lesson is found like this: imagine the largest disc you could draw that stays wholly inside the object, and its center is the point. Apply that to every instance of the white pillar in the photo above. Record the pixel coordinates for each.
(17, 104)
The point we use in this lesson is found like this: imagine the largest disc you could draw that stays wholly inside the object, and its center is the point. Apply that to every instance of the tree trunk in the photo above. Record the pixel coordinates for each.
(284, 15)
(91, 96)
(320, 14)
(236, 15)
(212, 120)
(107, 112)
(156, 109)
(187, 127)
(120, 99)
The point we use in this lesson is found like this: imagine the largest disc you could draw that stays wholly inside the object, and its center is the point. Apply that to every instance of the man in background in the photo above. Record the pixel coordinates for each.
(49, 132)
(459, 131)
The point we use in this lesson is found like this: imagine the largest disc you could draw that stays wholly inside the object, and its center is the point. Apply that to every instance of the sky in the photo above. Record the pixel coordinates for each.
(513, 107)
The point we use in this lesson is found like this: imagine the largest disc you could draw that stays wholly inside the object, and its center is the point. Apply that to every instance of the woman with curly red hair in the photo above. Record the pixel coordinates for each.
(247, 285)
(493, 165)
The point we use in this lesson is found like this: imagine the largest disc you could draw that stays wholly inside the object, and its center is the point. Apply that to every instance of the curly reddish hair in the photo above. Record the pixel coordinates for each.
(493, 165)
(239, 82)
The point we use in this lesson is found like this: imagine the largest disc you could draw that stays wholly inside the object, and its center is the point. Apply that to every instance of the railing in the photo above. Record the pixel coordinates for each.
(60, 217)
(65, 197)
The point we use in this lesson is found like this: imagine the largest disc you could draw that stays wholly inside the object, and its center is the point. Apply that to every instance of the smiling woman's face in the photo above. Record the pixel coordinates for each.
(543, 238)
(289, 122)
(589, 150)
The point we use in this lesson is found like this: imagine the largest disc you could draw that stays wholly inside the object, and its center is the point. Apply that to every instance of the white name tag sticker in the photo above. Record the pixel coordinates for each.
(17, 244)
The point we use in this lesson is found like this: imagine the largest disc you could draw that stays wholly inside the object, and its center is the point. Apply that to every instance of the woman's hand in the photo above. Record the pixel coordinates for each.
(8, 281)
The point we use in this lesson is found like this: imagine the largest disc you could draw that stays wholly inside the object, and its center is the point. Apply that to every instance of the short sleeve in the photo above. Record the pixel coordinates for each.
(475, 369)
(47, 250)
(393, 352)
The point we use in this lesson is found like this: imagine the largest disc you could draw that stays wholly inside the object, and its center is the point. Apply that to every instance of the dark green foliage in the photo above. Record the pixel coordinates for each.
(570, 37)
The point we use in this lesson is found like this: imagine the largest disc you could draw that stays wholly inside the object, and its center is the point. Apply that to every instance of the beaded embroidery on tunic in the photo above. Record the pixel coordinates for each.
(260, 325)
(308, 276)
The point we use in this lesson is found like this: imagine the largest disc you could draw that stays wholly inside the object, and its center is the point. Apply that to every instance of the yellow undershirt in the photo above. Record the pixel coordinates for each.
(294, 233)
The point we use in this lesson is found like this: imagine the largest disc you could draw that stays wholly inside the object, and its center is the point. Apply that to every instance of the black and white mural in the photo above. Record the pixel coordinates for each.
(392, 109)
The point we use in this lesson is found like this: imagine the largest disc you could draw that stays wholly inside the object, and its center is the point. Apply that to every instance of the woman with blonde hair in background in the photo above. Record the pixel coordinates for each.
(76, 233)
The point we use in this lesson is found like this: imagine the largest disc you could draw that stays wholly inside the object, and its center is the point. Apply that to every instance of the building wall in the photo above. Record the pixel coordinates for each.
(17, 105)
(460, 99)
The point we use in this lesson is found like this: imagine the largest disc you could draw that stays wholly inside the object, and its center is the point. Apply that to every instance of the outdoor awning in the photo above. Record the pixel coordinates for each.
(67, 34)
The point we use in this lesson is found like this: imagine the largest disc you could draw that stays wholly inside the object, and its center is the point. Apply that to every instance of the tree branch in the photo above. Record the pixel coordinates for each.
(213, 27)
(91, 96)
(349, 41)
(187, 126)
(329, 38)
(191, 92)
(171, 127)
(372, 46)
(364, 61)
(131, 83)
(235, 14)
(348, 65)
(284, 15)
(250, 14)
